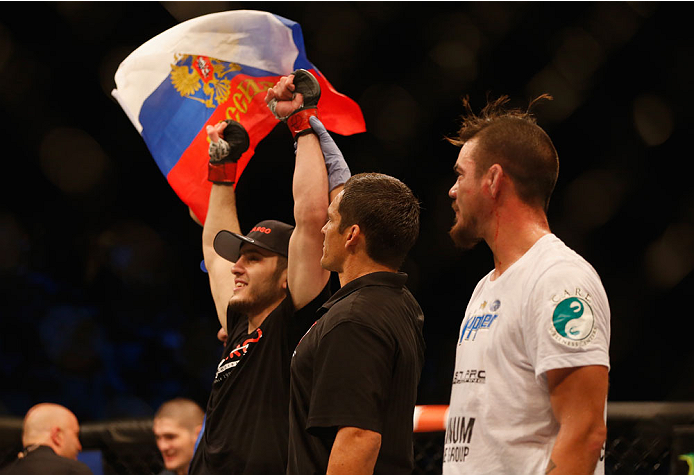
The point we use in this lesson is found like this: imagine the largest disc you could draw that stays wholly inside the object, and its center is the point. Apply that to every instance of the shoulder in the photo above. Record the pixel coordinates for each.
(357, 306)
(548, 274)
(285, 307)
(376, 307)
(47, 461)
(567, 267)
(81, 468)
(314, 304)
(554, 261)
(72, 466)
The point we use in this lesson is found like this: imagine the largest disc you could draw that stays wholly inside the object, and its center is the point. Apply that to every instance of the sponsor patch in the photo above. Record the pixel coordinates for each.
(457, 439)
(476, 323)
(470, 376)
(573, 322)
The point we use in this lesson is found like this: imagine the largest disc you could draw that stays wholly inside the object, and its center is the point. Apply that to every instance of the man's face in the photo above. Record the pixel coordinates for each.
(257, 284)
(70, 445)
(333, 242)
(175, 442)
(467, 199)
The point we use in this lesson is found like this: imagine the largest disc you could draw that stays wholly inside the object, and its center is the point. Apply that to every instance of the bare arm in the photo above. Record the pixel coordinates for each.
(221, 214)
(578, 397)
(305, 276)
(354, 452)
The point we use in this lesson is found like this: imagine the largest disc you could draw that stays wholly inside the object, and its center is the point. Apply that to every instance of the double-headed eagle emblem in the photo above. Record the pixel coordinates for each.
(190, 73)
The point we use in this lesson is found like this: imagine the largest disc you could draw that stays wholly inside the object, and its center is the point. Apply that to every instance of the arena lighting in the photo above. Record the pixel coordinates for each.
(670, 257)
(653, 119)
(72, 160)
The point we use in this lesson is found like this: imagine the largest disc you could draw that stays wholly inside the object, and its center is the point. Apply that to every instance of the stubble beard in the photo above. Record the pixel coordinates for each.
(465, 237)
(256, 301)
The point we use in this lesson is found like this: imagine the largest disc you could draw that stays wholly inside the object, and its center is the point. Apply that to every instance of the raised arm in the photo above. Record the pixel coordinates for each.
(578, 397)
(221, 214)
(306, 277)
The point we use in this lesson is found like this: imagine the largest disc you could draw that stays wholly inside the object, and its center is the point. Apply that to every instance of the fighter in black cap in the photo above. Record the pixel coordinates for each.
(266, 286)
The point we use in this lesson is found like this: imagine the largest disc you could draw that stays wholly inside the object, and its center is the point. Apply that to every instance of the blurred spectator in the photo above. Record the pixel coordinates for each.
(50, 437)
(177, 424)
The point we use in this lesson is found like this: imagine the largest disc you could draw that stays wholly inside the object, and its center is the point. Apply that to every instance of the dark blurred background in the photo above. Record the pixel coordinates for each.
(104, 307)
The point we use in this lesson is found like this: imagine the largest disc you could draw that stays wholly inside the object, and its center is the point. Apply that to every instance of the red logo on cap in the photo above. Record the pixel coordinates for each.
(262, 229)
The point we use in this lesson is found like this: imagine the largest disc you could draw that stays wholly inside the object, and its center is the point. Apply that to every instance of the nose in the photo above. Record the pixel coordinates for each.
(237, 268)
(453, 192)
(322, 230)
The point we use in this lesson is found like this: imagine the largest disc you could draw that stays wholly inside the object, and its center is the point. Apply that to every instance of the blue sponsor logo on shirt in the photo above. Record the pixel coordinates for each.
(476, 323)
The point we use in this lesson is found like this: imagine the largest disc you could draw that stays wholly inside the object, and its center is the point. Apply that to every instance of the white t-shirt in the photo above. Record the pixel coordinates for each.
(547, 311)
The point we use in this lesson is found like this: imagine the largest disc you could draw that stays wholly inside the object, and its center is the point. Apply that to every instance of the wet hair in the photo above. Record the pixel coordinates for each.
(386, 211)
(512, 138)
(184, 411)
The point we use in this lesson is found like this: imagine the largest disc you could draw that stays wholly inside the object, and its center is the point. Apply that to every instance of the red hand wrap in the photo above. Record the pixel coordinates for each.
(222, 172)
(298, 123)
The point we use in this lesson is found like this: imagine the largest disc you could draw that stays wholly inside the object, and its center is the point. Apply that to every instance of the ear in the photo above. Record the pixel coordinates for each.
(493, 178)
(353, 236)
(56, 436)
(284, 281)
(197, 430)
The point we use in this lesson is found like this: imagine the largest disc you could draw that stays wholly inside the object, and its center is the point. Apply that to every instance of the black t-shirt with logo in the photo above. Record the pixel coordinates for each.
(358, 366)
(247, 413)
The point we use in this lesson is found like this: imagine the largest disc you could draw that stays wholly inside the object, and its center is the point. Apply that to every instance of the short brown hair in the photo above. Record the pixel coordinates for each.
(512, 138)
(386, 211)
(186, 412)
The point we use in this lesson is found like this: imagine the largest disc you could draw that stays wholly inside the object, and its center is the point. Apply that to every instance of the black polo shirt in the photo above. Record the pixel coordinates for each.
(246, 424)
(358, 366)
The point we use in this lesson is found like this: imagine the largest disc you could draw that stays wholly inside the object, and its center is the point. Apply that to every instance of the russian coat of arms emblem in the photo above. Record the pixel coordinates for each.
(202, 79)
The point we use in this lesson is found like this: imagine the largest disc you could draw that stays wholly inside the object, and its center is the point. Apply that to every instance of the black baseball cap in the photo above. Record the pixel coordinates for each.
(270, 234)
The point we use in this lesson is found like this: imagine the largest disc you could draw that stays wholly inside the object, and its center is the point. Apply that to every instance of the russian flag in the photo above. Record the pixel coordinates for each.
(211, 68)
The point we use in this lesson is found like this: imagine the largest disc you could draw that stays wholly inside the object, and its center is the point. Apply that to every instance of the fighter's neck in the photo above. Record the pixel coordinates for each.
(358, 267)
(511, 233)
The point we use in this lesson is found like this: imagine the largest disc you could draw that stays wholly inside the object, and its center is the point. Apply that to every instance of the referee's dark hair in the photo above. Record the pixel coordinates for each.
(386, 211)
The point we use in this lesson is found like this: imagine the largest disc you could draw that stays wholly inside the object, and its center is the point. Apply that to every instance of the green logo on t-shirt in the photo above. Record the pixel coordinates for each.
(573, 319)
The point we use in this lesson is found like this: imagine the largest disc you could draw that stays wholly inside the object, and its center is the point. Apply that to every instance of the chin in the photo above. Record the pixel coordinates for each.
(330, 266)
(463, 237)
(173, 466)
(240, 306)
(325, 263)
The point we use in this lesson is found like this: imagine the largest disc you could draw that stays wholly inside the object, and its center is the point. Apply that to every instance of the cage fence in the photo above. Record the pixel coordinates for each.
(643, 438)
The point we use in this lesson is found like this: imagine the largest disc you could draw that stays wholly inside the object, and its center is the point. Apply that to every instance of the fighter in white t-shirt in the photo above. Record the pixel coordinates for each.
(529, 389)
(548, 310)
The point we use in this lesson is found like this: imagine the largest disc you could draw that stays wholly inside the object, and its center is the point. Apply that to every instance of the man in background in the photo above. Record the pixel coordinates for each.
(177, 424)
(50, 436)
